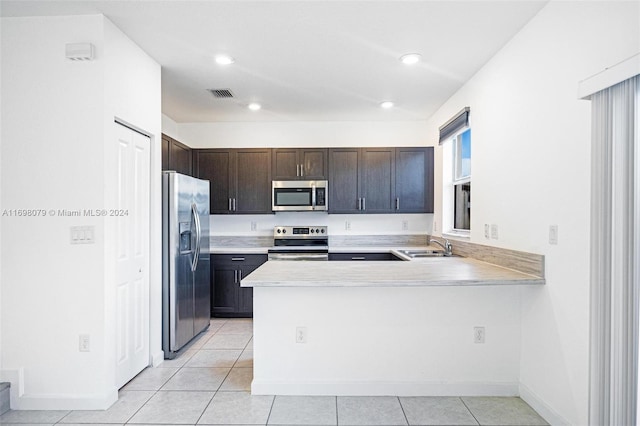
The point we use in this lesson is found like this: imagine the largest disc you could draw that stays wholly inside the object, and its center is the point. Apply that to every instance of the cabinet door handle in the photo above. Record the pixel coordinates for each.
(359, 203)
(230, 204)
(297, 170)
(364, 203)
(239, 276)
(301, 170)
(234, 204)
(237, 259)
(358, 258)
(235, 276)
(398, 203)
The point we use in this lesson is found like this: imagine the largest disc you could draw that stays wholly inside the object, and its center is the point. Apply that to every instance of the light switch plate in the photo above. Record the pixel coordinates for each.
(553, 234)
(494, 231)
(82, 234)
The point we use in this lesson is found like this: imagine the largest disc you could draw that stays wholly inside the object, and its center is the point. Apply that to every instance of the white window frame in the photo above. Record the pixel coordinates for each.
(448, 190)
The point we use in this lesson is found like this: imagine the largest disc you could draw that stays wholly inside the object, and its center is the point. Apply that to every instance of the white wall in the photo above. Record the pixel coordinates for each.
(0, 209)
(52, 132)
(57, 117)
(301, 134)
(531, 169)
(386, 340)
(170, 127)
(368, 224)
(133, 95)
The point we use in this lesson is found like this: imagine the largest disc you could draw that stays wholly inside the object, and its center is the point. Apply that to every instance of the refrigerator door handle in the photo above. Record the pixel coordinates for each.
(196, 252)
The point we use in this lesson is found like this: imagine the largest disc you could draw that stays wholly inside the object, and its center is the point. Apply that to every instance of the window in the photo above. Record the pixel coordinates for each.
(456, 180)
(462, 181)
(455, 139)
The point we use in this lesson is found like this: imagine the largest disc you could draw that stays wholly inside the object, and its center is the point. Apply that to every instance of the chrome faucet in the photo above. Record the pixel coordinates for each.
(446, 246)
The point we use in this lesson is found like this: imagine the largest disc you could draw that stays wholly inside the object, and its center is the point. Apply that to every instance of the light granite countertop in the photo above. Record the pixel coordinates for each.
(440, 271)
(332, 249)
(237, 250)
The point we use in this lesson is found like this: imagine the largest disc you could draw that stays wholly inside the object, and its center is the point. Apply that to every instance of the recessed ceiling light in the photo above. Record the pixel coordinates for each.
(410, 58)
(254, 106)
(224, 60)
(386, 104)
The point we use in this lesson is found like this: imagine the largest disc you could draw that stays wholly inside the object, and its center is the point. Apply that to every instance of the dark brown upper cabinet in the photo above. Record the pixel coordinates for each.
(176, 156)
(299, 164)
(381, 180)
(240, 179)
(414, 180)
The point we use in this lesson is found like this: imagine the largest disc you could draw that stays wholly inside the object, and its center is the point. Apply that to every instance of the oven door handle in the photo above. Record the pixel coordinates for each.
(301, 256)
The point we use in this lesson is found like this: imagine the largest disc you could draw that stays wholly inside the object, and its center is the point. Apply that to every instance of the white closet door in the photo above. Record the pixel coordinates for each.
(132, 254)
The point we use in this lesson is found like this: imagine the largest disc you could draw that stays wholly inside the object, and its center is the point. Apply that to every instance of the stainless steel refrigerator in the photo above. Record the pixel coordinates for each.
(186, 279)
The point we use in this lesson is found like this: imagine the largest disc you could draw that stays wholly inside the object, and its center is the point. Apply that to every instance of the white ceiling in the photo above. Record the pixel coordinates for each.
(307, 60)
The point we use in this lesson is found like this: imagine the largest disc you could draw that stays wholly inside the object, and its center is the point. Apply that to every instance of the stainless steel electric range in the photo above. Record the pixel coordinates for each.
(300, 243)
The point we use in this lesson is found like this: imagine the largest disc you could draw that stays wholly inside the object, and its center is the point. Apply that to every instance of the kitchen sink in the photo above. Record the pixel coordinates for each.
(425, 253)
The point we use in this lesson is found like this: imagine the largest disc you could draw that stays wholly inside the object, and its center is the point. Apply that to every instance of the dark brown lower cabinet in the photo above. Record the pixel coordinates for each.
(363, 256)
(228, 299)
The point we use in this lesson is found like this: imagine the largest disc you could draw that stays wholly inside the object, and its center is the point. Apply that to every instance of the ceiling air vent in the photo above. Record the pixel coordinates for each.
(221, 93)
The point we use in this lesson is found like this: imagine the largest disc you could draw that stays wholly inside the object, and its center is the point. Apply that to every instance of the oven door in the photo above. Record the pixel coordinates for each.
(298, 256)
(303, 250)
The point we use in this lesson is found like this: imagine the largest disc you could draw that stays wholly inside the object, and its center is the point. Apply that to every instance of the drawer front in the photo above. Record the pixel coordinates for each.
(361, 256)
(238, 259)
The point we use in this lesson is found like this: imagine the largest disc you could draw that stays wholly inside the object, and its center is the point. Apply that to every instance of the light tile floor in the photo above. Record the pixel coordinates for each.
(209, 384)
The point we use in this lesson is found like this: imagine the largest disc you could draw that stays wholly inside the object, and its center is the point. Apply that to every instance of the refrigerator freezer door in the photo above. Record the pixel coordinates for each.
(178, 235)
(186, 265)
(202, 289)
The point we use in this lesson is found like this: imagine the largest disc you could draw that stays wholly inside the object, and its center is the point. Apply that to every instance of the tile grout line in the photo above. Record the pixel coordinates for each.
(177, 370)
(207, 406)
(469, 410)
(155, 392)
(161, 386)
(403, 412)
(145, 403)
(271, 409)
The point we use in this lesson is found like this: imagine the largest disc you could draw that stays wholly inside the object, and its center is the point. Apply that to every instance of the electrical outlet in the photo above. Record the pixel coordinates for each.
(84, 343)
(494, 231)
(405, 225)
(487, 231)
(347, 225)
(478, 335)
(254, 226)
(301, 334)
(553, 234)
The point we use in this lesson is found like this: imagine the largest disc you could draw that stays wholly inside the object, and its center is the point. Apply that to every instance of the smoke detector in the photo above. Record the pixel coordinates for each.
(79, 51)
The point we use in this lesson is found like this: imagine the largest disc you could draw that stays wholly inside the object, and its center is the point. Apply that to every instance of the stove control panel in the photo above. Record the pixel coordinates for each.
(300, 231)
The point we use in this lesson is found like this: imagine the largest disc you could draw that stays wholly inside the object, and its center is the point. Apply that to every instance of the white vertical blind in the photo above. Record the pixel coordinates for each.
(615, 262)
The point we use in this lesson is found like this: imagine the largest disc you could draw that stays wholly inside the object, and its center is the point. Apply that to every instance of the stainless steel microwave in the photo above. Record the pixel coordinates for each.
(299, 195)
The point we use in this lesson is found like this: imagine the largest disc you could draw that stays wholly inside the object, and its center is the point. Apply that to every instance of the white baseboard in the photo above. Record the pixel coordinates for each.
(157, 358)
(548, 413)
(259, 387)
(21, 400)
(65, 402)
(16, 378)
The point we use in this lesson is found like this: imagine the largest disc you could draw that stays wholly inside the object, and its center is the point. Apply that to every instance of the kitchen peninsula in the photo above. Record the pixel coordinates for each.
(435, 326)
